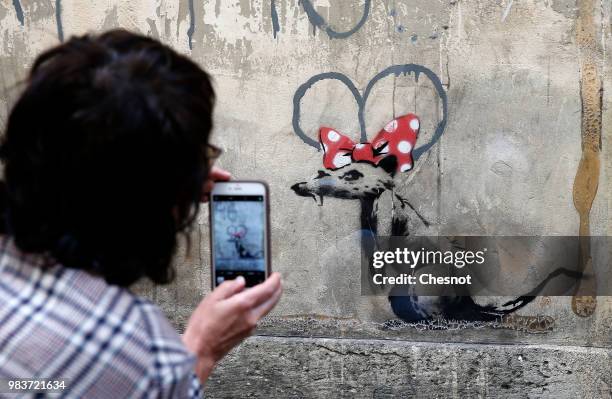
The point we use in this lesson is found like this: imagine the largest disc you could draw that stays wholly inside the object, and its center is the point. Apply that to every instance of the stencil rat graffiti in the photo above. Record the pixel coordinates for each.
(237, 235)
(364, 171)
(392, 144)
(241, 243)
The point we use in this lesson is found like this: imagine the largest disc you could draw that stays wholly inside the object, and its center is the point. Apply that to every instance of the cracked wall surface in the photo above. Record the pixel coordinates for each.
(524, 151)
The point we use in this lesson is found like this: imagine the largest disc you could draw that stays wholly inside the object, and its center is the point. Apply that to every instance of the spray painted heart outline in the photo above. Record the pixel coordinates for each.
(317, 20)
(361, 100)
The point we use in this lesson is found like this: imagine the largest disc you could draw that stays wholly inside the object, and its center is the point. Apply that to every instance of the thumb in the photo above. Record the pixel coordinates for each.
(228, 288)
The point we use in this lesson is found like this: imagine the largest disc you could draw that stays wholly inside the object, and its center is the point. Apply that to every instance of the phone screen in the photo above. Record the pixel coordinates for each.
(239, 243)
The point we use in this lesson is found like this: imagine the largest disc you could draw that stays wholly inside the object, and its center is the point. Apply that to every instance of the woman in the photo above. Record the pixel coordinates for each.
(106, 159)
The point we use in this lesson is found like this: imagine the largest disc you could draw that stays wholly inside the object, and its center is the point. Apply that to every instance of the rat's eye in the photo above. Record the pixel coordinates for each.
(322, 174)
(351, 175)
(381, 149)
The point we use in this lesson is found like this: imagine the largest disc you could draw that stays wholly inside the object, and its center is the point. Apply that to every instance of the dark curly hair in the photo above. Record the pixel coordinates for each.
(104, 155)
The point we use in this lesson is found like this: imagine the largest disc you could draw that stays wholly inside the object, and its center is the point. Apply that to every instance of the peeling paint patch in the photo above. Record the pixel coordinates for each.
(152, 28)
(507, 11)
(18, 11)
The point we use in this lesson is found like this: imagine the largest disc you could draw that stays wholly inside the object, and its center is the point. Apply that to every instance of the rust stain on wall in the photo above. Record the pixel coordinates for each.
(587, 177)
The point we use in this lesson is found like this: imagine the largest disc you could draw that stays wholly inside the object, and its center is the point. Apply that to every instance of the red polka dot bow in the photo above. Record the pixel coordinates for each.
(397, 138)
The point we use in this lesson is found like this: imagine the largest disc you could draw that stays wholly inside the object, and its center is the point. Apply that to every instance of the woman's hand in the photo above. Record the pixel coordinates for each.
(227, 316)
(216, 174)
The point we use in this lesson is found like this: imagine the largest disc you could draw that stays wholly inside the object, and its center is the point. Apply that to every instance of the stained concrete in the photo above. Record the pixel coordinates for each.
(514, 74)
(331, 368)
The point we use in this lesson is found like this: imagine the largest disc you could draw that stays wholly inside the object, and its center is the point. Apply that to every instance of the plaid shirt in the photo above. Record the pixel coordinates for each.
(61, 323)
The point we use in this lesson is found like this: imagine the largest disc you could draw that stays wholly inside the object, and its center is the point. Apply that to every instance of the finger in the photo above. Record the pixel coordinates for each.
(218, 174)
(257, 295)
(206, 189)
(268, 305)
(228, 288)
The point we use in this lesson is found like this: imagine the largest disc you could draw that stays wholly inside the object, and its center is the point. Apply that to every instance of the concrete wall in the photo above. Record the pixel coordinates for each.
(523, 145)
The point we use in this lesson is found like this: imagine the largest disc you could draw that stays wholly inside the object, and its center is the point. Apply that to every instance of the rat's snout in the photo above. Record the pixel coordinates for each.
(304, 189)
(321, 183)
(300, 188)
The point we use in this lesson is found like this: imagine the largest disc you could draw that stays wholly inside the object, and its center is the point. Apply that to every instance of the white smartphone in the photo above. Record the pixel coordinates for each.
(239, 232)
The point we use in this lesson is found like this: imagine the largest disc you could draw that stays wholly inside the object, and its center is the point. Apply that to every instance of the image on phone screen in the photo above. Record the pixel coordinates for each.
(239, 237)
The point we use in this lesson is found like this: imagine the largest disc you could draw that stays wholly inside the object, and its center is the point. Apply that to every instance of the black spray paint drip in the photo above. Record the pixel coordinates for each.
(18, 11)
(274, 14)
(58, 20)
(396, 70)
(191, 29)
(317, 21)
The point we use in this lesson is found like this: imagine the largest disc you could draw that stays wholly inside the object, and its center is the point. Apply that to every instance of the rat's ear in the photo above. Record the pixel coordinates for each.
(389, 164)
(328, 99)
(412, 89)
